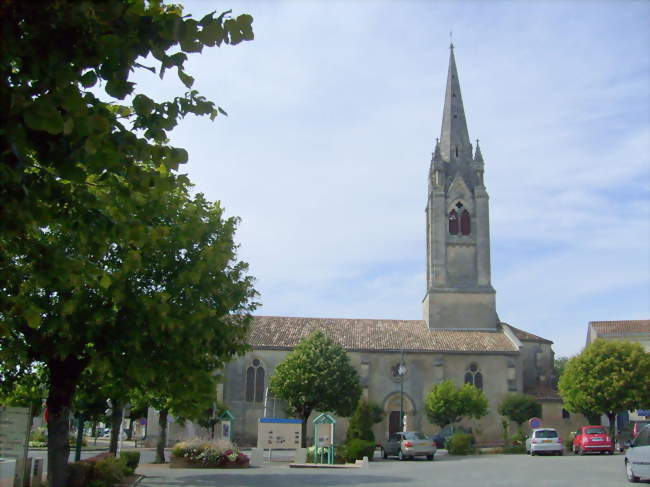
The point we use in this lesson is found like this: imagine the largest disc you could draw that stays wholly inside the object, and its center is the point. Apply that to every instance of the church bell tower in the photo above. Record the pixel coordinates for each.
(459, 292)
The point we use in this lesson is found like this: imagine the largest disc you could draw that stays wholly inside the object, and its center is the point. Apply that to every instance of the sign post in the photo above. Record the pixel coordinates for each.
(14, 438)
(535, 423)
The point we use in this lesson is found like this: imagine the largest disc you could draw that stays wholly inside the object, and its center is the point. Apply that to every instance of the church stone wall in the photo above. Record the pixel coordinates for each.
(500, 372)
(460, 310)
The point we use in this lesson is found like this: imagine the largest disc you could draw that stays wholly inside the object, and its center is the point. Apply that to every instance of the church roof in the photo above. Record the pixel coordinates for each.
(284, 333)
(526, 336)
(620, 328)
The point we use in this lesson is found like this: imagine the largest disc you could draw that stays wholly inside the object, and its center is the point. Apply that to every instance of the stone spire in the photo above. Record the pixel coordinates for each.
(478, 157)
(454, 138)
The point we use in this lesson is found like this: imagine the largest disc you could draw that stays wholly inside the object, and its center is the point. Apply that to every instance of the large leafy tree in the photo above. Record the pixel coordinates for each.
(448, 404)
(316, 375)
(606, 378)
(519, 407)
(86, 183)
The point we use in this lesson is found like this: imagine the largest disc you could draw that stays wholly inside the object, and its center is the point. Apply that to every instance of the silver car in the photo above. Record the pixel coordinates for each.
(408, 444)
(544, 440)
(637, 456)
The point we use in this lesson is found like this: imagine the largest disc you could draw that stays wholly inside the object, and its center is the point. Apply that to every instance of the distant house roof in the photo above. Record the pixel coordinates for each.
(622, 329)
(528, 337)
(284, 333)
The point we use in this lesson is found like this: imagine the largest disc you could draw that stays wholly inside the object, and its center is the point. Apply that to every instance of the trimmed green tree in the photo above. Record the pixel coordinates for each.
(607, 377)
(519, 407)
(364, 417)
(448, 404)
(316, 375)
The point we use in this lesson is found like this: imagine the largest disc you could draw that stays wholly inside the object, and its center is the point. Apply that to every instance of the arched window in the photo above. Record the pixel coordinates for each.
(255, 382)
(453, 222)
(465, 226)
(474, 376)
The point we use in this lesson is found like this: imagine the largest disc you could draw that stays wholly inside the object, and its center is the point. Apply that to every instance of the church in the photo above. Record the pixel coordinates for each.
(460, 337)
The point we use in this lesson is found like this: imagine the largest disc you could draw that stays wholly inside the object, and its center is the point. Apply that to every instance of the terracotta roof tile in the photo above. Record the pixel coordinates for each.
(526, 336)
(620, 328)
(281, 332)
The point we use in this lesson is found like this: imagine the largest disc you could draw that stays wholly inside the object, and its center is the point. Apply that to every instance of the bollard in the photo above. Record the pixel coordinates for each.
(257, 457)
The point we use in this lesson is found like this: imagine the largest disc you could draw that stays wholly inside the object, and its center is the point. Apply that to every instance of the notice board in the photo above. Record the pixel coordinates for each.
(276, 433)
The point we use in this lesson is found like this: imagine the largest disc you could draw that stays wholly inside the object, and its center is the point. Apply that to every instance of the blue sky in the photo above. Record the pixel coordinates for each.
(333, 114)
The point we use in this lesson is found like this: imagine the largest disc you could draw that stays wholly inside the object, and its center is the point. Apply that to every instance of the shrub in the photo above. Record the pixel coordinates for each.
(80, 473)
(38, 435)
(460, 444)
(357, 449)
(365, 416)
(107, 472)
(568, 442)
(339, 454)
(131, 459)
(518, 439)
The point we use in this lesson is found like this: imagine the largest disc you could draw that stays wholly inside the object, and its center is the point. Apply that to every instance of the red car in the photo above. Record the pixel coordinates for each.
(592, 439)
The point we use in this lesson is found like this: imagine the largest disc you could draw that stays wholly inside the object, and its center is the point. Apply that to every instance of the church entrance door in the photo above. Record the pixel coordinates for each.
(393, 423)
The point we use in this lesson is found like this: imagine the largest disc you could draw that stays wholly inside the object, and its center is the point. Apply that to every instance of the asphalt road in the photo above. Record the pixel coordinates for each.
(445, 471)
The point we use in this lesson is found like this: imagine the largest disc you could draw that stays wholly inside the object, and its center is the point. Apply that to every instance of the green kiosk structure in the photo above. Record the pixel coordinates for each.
(324, 427)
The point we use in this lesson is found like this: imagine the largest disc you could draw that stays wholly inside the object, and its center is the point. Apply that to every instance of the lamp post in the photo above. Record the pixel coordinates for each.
(401, 372)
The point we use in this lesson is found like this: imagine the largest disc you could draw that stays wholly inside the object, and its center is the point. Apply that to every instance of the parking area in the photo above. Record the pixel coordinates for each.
(482, 470)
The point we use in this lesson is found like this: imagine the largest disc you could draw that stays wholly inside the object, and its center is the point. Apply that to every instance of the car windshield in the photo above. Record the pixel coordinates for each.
(595, 431)
(414, 436)
(546, 434)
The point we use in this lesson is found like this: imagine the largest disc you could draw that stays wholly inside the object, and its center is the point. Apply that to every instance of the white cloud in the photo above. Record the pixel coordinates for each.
(333, 113)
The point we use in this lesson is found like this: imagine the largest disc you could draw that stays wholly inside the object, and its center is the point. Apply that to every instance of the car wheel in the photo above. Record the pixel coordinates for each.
(430, 457)
(401, 456)
(630, 474)
(560, 453)
(610, 452)
(384, 454)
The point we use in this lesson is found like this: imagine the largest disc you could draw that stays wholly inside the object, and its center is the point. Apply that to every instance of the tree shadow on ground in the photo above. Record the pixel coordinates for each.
(271, 480)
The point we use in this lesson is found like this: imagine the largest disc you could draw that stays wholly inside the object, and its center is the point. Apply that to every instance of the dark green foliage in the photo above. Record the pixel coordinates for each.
(365, 416)
(107, 472)
(461, 444)
(520, 407)
(89, 199)
(79, 473)
(356, 449)
(131, 459)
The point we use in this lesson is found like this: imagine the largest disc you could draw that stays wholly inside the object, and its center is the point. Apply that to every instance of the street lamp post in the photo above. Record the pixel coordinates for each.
(401, 372)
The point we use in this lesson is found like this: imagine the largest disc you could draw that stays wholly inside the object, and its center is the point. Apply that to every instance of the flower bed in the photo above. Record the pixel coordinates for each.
(204, 454)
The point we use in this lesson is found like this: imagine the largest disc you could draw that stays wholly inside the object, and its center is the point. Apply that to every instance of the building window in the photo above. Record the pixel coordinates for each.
(474, 376)
(465, 227)
(255, 382)
(453, 222)
(565, 414)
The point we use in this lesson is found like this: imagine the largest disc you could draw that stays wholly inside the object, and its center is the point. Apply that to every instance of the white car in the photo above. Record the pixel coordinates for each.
(637, 456)
(544, 440)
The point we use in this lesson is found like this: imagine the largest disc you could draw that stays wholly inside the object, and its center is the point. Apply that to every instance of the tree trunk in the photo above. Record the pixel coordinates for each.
(129, 434)
(162, 437)
(64, 375)
(116, 425)
(304, 415)
(612, 426)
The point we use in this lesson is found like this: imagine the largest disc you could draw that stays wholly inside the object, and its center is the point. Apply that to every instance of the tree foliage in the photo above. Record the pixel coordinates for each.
(316, 375)
(364, 417)
(606, 378)
(105, 258)
(447, 404)
(519, 407)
